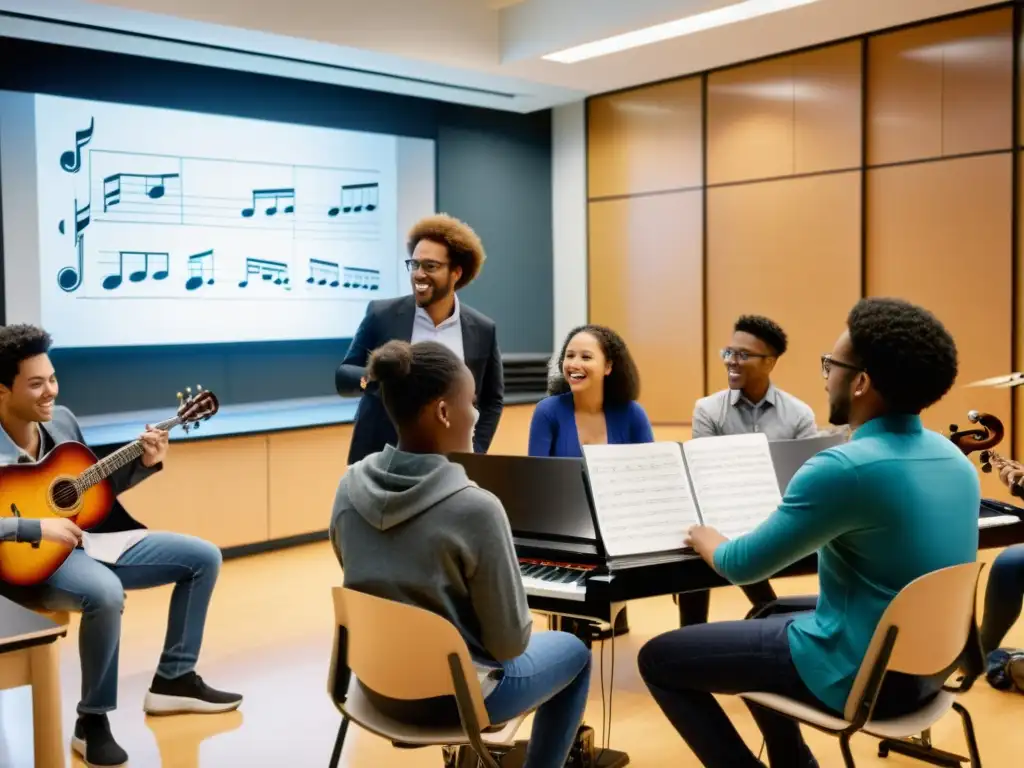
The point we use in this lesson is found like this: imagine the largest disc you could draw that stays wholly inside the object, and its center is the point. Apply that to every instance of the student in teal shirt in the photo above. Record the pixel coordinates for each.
(894, 503)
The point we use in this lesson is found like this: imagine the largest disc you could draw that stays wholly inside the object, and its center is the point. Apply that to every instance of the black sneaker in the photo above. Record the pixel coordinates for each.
(94, 743)
(187, 693)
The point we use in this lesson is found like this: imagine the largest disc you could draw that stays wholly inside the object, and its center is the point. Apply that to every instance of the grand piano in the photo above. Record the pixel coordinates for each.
(567, 573)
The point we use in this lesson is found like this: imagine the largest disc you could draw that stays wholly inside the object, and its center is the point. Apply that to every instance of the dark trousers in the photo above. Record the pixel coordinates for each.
(1003, 596)
(683, 668)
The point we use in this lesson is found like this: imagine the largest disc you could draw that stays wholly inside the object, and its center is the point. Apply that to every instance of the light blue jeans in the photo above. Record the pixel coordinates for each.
(553, 677)
(98, 591)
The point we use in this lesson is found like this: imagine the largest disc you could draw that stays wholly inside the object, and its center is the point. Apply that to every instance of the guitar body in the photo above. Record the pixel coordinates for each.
(44, 491)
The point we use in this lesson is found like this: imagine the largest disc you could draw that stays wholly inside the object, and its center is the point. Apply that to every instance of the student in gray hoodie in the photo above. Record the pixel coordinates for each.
(409, 525)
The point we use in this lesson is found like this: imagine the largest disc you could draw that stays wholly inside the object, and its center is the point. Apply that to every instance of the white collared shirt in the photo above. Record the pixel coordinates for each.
(449, 332)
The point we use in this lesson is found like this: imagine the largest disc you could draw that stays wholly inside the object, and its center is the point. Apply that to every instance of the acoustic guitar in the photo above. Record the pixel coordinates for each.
(70, 482)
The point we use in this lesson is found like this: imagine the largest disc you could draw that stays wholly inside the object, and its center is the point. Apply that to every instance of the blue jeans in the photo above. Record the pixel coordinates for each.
(98, 591)
(553, 676)
(1003, 597)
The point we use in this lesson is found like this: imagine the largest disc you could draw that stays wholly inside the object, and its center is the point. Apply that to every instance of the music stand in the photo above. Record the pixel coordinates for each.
(789, 455)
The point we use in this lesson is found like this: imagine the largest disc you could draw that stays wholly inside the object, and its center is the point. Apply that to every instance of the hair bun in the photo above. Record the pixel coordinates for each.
(391, 361)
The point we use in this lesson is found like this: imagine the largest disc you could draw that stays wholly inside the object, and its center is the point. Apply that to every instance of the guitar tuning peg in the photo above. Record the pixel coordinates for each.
(180, 396)
(954, 427)
(199, 387)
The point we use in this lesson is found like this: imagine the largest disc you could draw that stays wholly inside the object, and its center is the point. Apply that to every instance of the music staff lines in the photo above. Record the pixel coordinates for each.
(200, 159)
(201, 272)
(319, 209)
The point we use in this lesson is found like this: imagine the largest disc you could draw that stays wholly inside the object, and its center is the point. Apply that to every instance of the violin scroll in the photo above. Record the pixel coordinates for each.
(986, 436)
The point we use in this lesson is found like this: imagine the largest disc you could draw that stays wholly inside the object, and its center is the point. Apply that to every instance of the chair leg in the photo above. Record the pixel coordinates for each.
(339, 743)
(972, 742)
(844, 746)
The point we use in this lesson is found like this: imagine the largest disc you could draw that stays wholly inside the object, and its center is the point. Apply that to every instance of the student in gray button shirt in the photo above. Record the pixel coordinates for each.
(752, 403)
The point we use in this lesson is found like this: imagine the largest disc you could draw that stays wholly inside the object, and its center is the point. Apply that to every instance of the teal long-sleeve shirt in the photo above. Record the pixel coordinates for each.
(894, 503)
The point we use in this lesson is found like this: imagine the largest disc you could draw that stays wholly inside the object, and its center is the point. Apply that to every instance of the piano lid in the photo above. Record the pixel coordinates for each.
(545, 499)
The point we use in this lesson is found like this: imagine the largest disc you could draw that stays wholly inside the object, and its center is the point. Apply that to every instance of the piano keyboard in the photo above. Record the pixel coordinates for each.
(991, 521)
(558, 580)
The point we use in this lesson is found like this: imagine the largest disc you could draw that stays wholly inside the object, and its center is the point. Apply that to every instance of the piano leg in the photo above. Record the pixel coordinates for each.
(693, 607)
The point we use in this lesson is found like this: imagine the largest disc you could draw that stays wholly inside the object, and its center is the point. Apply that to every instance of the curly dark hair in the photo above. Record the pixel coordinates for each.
(909, 355)
(621, 385)
(766, 330)
(411, 376)
(20, 342)
(465, 249)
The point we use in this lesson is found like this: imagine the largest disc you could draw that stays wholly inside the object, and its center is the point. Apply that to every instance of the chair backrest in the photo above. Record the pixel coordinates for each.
(933, 615)
(400, 651)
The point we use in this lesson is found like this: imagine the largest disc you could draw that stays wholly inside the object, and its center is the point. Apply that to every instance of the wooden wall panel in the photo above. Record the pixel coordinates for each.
(645, 140)
(1018, 297)
(941, 89)
(750, 122)
(304, 468)
(215, 489)
(827, 108)
(513, 435)
(646, 282)
(243, 490)
(795, 114)
(796, 259)
(939, 235)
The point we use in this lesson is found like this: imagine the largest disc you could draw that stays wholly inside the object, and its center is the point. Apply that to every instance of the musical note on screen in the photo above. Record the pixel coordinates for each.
(641, 496)
(200, 270)
(276, 196)
(141, 261)
(358, 277)
(71, 161)
(271, 271)
(69, 278)
(154, 186)
(356, 198)
(734, 481)
(324, 273)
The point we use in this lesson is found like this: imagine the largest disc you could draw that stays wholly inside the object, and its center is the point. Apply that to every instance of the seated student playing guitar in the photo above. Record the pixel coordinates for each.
(32, 425)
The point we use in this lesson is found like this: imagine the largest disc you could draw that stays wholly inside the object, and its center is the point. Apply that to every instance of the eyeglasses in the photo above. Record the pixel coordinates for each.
(827, 361)
(430, 267)
(740, 354)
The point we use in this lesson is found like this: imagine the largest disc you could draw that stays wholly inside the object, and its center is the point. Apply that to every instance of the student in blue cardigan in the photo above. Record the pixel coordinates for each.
(593, 401)
(594, 390)
(894, 503)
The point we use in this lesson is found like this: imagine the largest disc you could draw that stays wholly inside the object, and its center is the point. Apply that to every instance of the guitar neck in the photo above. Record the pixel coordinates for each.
(106, 466)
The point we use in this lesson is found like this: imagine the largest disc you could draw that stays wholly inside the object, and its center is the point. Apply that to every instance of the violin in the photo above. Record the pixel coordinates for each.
(984, 438)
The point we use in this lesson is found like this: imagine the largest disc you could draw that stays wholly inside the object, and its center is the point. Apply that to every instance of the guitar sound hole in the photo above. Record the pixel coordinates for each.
(65, 495)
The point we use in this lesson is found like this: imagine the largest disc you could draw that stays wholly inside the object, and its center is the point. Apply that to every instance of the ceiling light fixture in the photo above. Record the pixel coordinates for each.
(730, 14)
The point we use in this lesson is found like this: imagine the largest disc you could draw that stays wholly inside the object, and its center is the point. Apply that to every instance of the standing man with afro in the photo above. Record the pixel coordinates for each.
(445, 255)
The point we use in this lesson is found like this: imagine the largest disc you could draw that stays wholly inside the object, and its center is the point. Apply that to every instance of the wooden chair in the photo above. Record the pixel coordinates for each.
(928, 629)
(407, 653)
(38, 666)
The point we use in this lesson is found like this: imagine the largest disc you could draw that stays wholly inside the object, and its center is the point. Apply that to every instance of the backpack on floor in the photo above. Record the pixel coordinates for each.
(1006, 670)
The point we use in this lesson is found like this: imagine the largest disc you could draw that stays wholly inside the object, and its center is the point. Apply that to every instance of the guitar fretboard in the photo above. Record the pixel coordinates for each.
(106, 466)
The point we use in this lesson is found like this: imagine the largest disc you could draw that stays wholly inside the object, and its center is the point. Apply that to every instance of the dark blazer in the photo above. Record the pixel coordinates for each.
(389, 319)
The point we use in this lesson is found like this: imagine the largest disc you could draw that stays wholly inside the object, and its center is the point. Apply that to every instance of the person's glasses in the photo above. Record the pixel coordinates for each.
(430, 267)
(739, 354)
(827, 361)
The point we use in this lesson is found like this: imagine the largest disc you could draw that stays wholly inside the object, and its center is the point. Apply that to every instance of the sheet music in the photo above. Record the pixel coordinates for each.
(108, 547)
(734, 481)
(641, 495)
